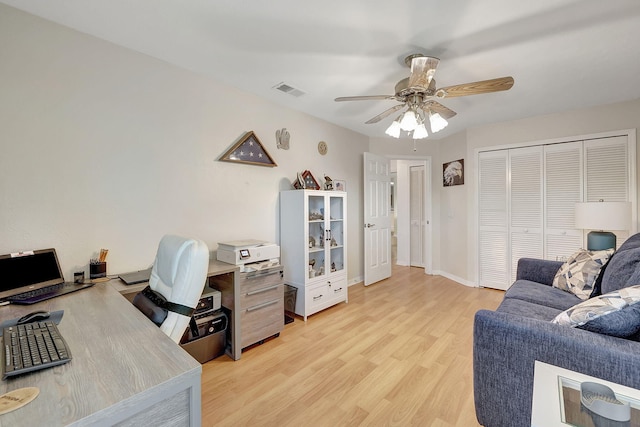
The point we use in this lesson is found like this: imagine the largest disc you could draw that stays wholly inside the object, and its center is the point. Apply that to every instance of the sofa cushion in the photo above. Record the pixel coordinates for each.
(632, 242)
(616, 313)
(579, 273)
(622, 266)
(538, 293)
(528, 309)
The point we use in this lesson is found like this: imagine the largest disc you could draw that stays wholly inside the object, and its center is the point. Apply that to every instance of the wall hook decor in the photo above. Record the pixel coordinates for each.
(282, 139)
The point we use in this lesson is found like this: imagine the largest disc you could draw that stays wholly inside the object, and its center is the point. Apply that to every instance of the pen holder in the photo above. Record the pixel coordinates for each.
(98, 270)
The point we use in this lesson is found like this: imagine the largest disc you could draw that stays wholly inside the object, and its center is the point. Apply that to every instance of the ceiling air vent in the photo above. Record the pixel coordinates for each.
(290, 90)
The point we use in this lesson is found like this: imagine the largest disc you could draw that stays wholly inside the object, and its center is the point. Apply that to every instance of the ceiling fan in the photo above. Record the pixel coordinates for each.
(417, 93)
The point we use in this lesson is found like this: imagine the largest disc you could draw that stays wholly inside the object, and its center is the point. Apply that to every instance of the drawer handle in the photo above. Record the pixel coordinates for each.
(261, 274)
(317, 297)
(263, 305)
(337, 290)
(259, 291)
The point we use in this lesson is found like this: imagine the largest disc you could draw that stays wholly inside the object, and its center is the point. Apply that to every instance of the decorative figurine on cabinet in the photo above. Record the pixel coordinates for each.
(328, 183)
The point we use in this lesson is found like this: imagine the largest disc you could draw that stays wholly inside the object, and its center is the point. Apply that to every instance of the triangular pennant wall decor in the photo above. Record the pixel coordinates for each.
(248, 150)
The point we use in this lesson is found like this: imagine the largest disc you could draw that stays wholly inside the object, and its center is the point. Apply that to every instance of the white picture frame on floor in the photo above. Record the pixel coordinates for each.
(557, 403)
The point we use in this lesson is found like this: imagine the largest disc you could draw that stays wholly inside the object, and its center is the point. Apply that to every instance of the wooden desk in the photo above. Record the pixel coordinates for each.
(124, 370)
(218, 271)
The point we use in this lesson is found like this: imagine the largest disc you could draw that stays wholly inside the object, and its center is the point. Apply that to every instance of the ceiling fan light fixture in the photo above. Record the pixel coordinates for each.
(409, 121)
(437, 122)
(420, 132)
(394, 129)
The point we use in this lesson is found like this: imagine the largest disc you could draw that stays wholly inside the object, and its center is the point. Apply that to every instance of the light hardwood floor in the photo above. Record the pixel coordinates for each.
(398, 353)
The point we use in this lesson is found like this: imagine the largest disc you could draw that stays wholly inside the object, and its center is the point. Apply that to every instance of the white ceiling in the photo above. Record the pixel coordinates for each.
(563, 54)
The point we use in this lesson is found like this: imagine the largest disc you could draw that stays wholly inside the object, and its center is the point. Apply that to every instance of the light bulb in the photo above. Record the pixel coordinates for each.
(393, 129)
(437, 122)
(409, 121)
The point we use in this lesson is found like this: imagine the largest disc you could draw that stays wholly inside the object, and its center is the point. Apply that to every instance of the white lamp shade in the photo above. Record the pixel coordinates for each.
(409, 121)
(393, 129)
(603, 215)
(437, 122)
(420, 132)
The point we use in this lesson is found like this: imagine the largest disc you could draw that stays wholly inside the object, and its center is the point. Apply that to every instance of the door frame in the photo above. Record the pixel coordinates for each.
(404, 205)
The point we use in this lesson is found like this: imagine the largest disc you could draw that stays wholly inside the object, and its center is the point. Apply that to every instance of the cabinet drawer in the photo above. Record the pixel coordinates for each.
(257, 280)
(260, 293)
(326, 294)
(262, 320)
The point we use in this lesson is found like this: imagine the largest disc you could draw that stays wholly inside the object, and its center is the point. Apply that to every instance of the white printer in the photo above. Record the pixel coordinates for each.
(241, 252)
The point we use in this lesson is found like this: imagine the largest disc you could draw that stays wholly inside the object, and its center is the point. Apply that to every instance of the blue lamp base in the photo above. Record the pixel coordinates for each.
(600, 240)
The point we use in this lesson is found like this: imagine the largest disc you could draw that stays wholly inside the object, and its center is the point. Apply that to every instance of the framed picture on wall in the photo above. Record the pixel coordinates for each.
(453, 173)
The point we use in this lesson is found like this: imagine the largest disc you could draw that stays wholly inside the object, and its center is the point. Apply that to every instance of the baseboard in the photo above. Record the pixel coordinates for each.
(355, 281)
(455, 278)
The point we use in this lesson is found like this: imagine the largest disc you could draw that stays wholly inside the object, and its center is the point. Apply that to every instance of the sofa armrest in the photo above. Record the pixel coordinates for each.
(537, 270)
(505, 347)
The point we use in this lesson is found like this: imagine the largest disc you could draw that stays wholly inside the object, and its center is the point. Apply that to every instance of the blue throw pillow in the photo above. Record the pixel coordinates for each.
(616, 313)
(620, 269)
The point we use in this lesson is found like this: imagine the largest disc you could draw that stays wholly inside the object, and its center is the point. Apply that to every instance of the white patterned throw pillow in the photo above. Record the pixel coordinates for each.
(616, 313)
(581, 270)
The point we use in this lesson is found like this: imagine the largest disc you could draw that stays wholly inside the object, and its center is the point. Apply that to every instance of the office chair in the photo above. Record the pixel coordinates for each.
(179, 274)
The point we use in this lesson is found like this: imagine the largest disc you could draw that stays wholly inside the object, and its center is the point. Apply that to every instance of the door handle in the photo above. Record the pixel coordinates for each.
(367, 225)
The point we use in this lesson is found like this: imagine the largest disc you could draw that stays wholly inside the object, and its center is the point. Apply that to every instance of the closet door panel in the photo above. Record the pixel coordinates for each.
(562, 190)
(525, 166)
(493, 222)
(607, 175)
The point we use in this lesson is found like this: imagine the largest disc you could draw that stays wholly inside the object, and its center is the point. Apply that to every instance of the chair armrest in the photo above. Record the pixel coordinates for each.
(505, 347)
(537, 270)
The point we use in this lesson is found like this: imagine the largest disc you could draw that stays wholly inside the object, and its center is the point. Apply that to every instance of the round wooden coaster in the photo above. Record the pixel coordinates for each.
(17, 399)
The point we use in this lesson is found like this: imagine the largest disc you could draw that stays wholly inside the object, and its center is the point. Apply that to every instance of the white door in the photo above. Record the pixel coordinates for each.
(416, 215)
(377, 218)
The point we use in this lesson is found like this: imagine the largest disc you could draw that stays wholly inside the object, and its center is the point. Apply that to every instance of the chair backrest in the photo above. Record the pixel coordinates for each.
(179, 273)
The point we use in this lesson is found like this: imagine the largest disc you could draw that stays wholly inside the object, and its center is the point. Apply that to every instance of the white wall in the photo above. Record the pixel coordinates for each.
(104, 147)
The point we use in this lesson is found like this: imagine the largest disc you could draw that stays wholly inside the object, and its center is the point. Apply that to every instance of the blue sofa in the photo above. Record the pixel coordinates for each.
(507, 341)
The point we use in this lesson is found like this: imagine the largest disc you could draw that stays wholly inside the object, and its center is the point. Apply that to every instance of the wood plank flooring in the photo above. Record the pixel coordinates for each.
(398, 353)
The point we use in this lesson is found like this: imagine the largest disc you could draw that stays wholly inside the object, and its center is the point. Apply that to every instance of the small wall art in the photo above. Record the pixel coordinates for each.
(453, 173)
(249, 150)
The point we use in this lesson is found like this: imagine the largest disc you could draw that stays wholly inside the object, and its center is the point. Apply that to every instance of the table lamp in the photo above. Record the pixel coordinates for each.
(602, 216)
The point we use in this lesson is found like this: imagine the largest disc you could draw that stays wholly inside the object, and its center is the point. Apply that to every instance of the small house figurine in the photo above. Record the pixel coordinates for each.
(328, 183)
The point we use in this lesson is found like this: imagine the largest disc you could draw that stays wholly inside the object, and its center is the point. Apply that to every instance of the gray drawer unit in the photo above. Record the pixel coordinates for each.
(261, 304)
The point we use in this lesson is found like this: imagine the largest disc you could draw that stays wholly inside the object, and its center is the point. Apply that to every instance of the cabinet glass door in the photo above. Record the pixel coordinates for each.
(317, 231)
(335, 240)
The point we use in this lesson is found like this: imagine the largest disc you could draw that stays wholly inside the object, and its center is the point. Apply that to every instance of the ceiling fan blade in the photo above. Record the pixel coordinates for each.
(484, 86)
(364, 98)
(422, 70)
(384, 114)
(436, 107)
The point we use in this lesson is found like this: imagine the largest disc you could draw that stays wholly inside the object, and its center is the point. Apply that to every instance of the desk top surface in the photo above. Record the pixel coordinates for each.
(117, 354)
(215, 268)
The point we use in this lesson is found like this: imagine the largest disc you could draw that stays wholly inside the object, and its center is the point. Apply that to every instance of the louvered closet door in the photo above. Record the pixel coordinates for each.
(526, 205)
(493, 221)
(563, 189)
(607, 175)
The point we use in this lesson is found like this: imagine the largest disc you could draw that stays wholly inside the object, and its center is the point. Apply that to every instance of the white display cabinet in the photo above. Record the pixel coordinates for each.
(313, 247)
